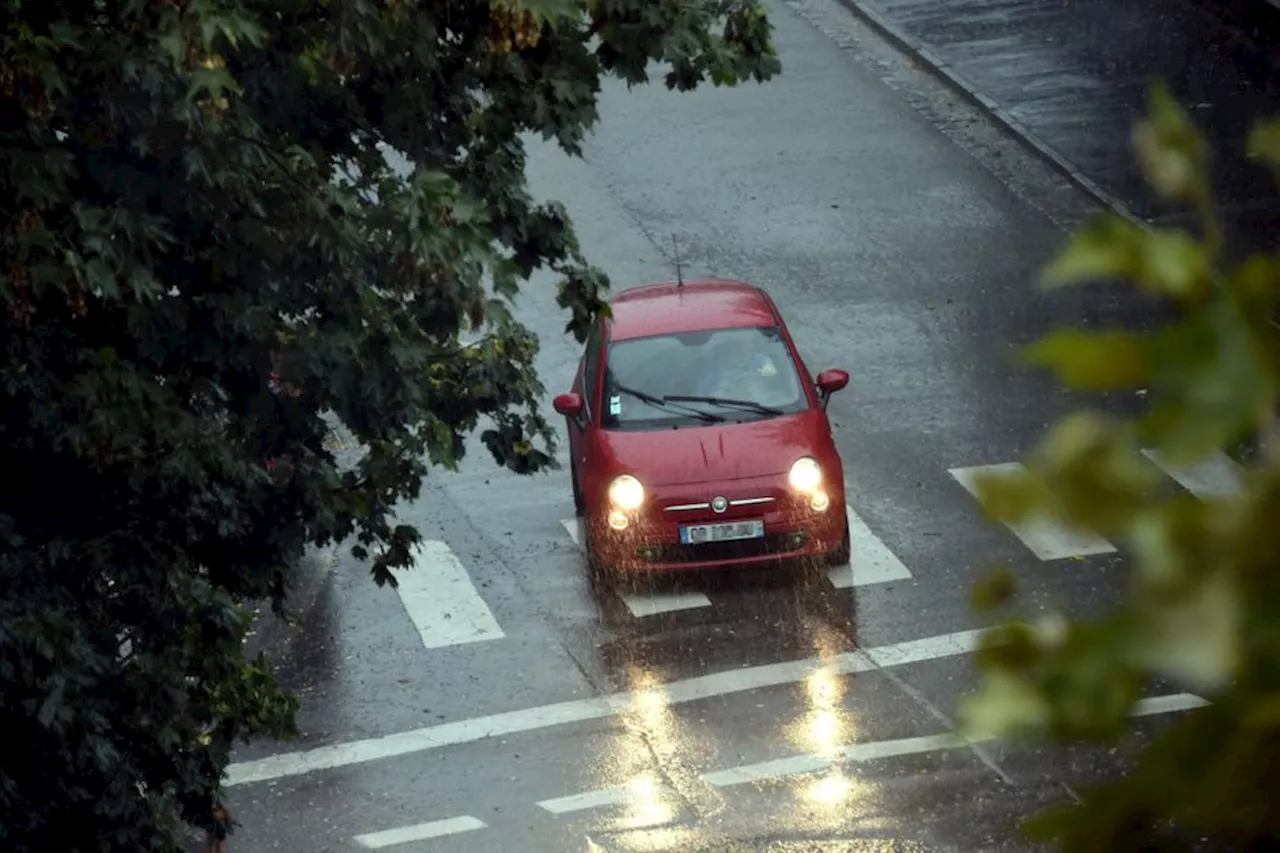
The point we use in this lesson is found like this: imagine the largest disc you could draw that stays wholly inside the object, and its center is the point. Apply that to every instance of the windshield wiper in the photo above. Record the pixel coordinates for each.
(721, 401)
(666, 403)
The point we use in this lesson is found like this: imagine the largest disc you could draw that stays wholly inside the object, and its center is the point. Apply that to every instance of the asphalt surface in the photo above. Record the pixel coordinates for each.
(1073, 78)
(509, 707)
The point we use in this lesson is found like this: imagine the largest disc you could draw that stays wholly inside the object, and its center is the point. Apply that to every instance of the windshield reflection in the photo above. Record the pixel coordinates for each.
(748, 365)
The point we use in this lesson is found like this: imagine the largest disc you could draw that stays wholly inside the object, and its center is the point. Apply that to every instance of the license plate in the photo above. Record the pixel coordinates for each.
(696, 534)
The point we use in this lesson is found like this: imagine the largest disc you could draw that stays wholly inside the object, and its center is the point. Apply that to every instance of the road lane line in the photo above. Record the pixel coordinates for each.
(419, 832)
(871, 561)
(926, 648)
(1214, 477)
(732, 681)
(797, 765)
(1046, 538)
(622, 795)
(644, 604)
(792, 765)
(723, 683)
(442, 601)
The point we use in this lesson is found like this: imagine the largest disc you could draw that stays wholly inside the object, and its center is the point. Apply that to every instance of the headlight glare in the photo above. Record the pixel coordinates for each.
(626, 493)
(805, 475)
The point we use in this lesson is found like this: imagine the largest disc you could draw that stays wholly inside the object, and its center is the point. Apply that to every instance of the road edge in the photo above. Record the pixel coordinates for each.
(267, 631)
(925, 57)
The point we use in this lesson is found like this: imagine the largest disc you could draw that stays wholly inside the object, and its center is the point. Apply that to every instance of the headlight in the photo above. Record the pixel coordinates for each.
(626, 493)
(805, 475)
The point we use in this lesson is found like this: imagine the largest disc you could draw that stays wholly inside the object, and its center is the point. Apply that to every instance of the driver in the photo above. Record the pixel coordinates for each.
(755, 379)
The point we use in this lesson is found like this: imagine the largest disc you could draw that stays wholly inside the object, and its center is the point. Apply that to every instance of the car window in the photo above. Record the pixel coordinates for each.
(743, 364)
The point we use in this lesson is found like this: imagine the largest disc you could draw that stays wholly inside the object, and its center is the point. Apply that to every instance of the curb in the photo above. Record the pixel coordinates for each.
(923, 55)
(266, 630)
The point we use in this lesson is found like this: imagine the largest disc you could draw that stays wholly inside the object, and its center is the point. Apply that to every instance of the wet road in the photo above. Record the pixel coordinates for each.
(1074, 76)
(498, 703)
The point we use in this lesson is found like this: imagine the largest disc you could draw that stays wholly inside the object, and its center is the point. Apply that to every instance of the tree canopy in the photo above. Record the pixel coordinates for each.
(1202, 605)
(198, 195)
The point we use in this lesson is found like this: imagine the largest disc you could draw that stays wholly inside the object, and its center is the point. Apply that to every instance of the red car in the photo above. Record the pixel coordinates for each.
(698, 437)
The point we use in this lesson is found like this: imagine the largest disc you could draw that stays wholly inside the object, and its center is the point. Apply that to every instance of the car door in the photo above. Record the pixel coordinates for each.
(586, 384)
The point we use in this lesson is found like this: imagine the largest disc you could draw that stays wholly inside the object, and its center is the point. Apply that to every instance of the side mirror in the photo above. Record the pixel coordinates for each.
(570, 404)
(831, 381)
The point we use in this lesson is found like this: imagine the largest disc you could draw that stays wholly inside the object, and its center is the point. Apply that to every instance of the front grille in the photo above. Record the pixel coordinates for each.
(775, 543)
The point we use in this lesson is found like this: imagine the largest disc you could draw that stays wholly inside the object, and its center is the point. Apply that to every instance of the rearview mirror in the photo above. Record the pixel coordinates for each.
(570, 404)
(831, 381)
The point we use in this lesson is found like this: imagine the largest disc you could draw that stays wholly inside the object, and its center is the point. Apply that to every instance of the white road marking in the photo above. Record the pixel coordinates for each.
(419, 832)
(796, 765)
(653, 603)
(1216, 476)
(563, 713)
(926, 648)
(1168, 704)
(573, 526)
(644, 790)
(644, 604)
(871, 561)
(1046, 538)
(792, 765)
(619, 796)
(443, 602)
(531, 719)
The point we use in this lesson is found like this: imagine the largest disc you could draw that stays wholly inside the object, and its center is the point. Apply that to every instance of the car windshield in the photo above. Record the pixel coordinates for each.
(699, 377)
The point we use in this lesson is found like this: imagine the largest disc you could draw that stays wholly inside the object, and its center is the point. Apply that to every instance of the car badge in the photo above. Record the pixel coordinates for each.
(719, 504)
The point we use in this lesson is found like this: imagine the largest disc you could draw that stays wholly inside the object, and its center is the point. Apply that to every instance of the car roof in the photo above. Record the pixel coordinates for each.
(668, 308)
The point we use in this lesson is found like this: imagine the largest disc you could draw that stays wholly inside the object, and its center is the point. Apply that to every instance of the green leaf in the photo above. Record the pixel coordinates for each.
(1171, 151)
(1093, 361)
(1006, 705)
(1194, 634)
(1264, 144)
(1199, 613)
(1162, 263)
(997, 588)
(1107, 247)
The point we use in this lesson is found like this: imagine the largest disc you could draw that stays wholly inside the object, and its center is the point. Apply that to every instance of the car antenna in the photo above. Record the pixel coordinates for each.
(679, 274)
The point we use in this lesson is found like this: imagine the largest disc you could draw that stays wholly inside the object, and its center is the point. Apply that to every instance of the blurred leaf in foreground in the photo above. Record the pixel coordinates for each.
(1202, 607)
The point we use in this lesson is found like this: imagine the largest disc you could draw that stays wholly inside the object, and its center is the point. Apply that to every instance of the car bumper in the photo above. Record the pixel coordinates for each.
(651, 541)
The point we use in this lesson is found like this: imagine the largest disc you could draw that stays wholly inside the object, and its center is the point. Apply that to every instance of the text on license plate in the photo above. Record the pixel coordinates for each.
(697, 533)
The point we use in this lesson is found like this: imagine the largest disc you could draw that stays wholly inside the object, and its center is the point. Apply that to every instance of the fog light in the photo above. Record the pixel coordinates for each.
(820, 501)
(618, 519)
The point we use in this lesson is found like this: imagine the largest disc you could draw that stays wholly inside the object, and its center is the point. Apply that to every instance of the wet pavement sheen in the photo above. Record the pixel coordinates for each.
(762, 712)
(1075, 74)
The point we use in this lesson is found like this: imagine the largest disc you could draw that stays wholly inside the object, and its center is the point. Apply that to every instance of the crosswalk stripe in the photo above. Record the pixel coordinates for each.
(573, 526)
(1215, 476)
(644, 604)
(642, 789)
(1047, 539)
(419, 832)
(871, 560)
(442, 601)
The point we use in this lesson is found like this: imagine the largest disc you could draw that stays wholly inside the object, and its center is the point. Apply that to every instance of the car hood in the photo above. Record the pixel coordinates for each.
(670, 457)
